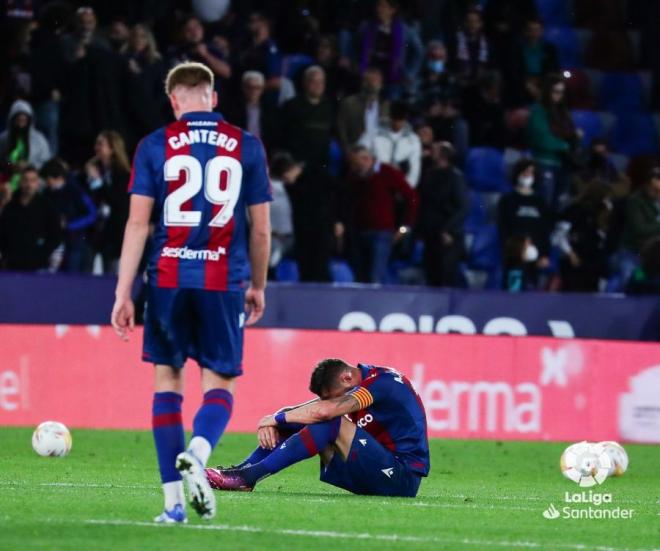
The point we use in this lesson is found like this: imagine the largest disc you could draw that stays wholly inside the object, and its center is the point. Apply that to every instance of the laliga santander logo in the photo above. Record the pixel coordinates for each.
(586, 464)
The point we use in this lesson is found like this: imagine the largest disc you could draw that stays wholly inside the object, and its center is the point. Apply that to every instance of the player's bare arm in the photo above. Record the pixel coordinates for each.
(317, 412)
(255, 300)
(269, 436)
(135, 237)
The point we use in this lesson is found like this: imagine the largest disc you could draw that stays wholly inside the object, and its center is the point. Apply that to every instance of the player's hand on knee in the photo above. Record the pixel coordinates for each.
(268, 437)
(123, 317)
(255, 303)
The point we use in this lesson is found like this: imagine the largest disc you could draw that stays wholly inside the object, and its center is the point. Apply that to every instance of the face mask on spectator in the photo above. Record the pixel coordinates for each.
(531, 254)
(526, 181)
(436, 65)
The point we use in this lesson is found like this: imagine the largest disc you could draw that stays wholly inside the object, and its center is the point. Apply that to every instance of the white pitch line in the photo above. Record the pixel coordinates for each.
(326, 499)
(365, 536)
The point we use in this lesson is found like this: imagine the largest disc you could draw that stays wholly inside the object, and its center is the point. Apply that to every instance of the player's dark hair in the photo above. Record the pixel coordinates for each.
(325, 374)
(55, 168)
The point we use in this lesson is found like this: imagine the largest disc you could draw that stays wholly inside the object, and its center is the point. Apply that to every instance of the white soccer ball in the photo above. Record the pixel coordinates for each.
(51, 439)
(618, 456)
(585, 463)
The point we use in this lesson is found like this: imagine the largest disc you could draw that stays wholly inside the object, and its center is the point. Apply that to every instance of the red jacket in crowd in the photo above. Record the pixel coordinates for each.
(375, 197)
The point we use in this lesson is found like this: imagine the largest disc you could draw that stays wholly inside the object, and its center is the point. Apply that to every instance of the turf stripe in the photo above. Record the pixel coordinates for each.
(366, 536)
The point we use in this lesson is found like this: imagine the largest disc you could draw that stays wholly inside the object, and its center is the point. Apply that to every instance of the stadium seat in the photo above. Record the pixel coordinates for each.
(567, 44)
(335, 159)
(294, 63)
(484, 170)
(287, 271)
(484, 252)
(621, 92)
(634, 134)
(591, 125)
(341, 272)
(553, 12)
(476, 217)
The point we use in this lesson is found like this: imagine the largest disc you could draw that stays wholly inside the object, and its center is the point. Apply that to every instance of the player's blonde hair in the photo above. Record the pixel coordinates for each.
(189, 75)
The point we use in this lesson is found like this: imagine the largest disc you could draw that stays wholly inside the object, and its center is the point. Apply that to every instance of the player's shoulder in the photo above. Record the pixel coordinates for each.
(155, 139)
(253, 149)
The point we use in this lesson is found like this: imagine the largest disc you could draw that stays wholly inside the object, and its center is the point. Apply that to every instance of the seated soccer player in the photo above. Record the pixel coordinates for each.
(382, 450)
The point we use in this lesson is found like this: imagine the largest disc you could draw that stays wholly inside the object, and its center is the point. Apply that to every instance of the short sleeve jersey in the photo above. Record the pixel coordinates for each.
(202, 173)
(393, 413)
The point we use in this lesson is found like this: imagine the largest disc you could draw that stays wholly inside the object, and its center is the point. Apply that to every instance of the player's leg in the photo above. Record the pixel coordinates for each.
(165, 344)
(366, 467)
(217, 345)
(306, 443)
(169, 438)
(213, 415)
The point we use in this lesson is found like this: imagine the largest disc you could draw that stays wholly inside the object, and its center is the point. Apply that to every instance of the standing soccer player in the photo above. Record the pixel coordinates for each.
(200, 174)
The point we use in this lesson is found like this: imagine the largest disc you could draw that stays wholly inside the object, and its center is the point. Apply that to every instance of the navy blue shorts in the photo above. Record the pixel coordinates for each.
(370, 469)
(206, 326)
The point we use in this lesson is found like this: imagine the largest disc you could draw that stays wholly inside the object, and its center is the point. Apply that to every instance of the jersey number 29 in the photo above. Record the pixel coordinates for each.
(193, 184)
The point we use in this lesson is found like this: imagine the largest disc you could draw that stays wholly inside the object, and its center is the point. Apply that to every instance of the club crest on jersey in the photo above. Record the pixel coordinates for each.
(185, 253)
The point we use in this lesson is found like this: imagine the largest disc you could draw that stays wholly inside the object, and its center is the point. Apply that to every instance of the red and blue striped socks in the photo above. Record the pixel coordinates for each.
(210, 422)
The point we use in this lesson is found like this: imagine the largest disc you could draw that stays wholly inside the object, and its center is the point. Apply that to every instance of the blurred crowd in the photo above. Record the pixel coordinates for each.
(498, 144)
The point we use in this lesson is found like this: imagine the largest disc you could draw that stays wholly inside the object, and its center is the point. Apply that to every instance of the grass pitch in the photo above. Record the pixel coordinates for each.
(480, 495)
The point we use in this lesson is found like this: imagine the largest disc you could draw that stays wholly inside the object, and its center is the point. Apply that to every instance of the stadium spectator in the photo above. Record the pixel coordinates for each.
(359, 114)
(284, 172)
(397, 144)
(522, 212)
(76, 214)
(520, 259)
(308, 121)
(252, 113)
(84, 35)
(5, 194)
(537, 57)
(263, 55)
(22, 144)
(426, 139)
(642, 215)
(599, 166)
(483, 110)
(118, 36)
(437, 82)
(374, 189)
(552, 137)
(107, 174)
(29, 229)
(448, 125)
(194, 47)
(469, 49)
(92, 90)
(443, 207)
(340, 79)
(582, 237)
(144, 85)
(48, 69)
(382, 45)
(646, 278)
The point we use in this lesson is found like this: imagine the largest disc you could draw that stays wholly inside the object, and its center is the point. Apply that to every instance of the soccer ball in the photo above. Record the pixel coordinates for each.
(585, 463)
(618, 456)
(51, 439)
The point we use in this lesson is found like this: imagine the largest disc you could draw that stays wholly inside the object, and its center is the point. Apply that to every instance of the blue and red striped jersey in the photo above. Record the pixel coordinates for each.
(202, 173)
(392, 412)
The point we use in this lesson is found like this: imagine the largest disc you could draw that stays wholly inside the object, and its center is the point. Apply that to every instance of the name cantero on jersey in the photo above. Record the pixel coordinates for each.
(202, 135)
